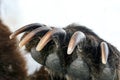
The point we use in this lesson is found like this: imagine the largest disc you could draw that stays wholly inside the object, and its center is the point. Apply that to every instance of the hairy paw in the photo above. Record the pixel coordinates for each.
(73, 52)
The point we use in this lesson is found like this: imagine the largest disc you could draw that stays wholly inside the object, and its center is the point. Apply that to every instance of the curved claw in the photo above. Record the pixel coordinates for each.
(76, 38)
(48, 36)
(29, 36)
(25, 28)
(104, 52)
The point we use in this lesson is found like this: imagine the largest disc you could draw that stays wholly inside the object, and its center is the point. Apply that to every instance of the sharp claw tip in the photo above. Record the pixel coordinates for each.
(69, 51)
(38, 49)
(104, 62)
(10, 37)
(20, 45)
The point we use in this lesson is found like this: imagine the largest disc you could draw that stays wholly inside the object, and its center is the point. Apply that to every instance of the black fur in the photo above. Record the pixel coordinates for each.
(85, 65)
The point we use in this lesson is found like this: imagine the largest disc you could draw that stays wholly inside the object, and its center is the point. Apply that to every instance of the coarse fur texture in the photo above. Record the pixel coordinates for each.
(12, 63)
(85, 61)
(41, 74)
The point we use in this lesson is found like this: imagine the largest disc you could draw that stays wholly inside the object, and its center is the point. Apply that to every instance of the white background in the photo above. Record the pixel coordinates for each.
(102, 16)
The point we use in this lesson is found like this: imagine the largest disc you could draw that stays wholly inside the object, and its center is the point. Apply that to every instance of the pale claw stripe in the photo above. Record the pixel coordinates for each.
(48, 36)
(104, 52)
(25, 28)
(30, 35)
(76, 38)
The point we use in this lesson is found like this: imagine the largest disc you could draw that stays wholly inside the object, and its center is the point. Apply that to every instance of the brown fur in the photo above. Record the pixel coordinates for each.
(42, 74)
(12, 63)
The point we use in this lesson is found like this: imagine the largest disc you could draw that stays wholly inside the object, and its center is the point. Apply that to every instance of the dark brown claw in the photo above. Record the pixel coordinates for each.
(48, 36)
(30, 35)
(76, 38)
(104, 52)
(25, 28)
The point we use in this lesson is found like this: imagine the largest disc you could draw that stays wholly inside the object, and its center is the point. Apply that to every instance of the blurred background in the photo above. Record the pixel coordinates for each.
(102, 16)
